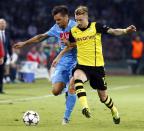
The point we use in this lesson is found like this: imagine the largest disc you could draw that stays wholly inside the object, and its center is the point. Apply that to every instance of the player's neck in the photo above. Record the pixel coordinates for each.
(66, 24)
(85, 25)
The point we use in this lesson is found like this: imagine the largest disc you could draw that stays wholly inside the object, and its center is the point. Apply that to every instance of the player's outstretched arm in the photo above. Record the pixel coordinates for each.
(35, 39)
(118, 31)
(1, 61)
(56, 60)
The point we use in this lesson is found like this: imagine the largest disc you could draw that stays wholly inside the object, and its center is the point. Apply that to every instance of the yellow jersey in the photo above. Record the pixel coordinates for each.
(89, 46)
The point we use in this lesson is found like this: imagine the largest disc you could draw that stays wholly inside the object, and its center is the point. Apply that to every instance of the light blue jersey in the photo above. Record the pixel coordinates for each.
(68, 61)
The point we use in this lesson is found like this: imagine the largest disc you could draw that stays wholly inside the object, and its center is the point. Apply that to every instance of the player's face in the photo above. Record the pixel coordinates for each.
(61, 20)
(81, 20)
(2, 24)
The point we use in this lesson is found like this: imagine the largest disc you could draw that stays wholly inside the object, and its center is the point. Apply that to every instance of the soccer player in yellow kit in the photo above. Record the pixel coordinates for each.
(86, 36)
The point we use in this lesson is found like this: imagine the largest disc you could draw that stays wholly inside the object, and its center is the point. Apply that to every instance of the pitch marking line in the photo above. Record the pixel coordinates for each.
(124, 87)
(25, 99)
(127, 86)
(46, 96)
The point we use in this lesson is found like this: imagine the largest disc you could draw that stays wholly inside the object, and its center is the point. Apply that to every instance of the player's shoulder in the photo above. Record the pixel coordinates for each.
(52, 30)
(55, 26)
(93, 23)
(74, 28)
(72, 23)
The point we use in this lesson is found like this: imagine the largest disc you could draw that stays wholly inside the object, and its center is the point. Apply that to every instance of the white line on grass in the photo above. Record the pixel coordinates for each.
(25, 99)
(46, 96)
(124, 87)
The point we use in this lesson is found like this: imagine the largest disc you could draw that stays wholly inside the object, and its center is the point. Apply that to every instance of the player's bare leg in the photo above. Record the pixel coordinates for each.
(70, 99)
(57, 88)
(109, 103)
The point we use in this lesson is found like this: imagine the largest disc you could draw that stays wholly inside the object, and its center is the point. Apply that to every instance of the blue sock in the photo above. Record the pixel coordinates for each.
(70, 103)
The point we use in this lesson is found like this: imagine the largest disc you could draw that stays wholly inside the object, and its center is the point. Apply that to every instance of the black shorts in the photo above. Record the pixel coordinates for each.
(95, 75)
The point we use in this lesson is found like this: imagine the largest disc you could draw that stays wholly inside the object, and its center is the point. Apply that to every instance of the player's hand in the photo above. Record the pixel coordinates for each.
(131, 29)
(64, 40)
(1, 61)
(19, 45)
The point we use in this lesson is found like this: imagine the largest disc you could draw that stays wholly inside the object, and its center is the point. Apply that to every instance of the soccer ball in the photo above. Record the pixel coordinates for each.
(31, 118)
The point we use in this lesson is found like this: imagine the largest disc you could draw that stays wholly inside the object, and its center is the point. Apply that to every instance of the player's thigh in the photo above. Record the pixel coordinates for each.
(98, 83)
(80, 74)
(101, 86)
(102, 94)
(97, 78)
(58, 88)
(59, 80)
(60, 75)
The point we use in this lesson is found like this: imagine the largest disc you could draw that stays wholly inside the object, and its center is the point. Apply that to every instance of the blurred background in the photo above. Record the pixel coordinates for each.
(27, 18)
(124, 62)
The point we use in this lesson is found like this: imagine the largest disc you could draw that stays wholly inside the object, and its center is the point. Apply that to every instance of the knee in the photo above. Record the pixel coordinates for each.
(79, 74)
(72, 90)
(57, 88)
(55, 92)
(103, 98)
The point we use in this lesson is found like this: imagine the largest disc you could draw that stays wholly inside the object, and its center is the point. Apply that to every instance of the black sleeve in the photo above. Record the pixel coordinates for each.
(101, 28)
(71, 38)
(10, 49)
(9, 46)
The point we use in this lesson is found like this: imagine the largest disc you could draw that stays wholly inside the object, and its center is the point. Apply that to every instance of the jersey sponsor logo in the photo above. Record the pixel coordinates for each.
(86, 38)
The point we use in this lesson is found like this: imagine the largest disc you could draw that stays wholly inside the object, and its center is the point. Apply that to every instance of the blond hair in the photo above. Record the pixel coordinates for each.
(81, 10)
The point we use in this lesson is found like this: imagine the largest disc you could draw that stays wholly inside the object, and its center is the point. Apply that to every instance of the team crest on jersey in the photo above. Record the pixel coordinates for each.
(64, 35)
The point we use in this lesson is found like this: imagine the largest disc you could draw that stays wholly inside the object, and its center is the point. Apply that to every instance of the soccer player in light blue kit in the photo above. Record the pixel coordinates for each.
(62, 73)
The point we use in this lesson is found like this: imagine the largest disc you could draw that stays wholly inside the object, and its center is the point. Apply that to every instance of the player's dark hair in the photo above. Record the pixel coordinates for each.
(60, 9)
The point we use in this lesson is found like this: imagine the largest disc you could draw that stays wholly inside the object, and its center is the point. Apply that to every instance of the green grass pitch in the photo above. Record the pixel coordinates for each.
(127, 93)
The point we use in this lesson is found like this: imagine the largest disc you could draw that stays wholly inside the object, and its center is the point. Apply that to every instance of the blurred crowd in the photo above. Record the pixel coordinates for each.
(28, 18)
